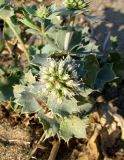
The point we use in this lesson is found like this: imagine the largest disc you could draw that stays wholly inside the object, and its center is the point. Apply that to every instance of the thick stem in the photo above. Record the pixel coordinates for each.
(54, 151)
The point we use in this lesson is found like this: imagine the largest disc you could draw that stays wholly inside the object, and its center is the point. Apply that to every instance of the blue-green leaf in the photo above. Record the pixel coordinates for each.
(51, 125)
(68, 106)
(106, 74)
(91, 67)
(28, 102)
(73, 127)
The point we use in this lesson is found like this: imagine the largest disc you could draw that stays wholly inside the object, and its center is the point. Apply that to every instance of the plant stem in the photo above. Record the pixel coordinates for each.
(54, 151)
(9, 22)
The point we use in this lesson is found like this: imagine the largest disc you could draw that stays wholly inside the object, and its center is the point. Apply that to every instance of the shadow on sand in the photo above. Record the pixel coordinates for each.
(112, 23)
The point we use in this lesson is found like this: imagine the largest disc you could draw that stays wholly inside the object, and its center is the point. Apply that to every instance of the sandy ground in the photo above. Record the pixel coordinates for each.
(14, 140)
(113, 21)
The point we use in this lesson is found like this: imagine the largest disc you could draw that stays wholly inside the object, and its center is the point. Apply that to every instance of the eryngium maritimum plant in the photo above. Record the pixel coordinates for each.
(60, 79)
(75, 4)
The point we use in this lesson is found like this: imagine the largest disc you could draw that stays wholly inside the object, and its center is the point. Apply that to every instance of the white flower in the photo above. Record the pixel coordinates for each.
(59, 79)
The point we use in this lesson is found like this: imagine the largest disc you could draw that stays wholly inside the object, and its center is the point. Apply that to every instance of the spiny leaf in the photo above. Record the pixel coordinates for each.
(28, 23)
(17, 90)
(6, 89)
(51, 125)
(28, 102)
(30, 9)
(49, 49)
(40, 59)
(75, 39)
(91, 66)
(118, 64)
(106, 74)
(85, 108)
(68, 106)
(58, 36)
(73, 127)
(29, 78)
(85, 92)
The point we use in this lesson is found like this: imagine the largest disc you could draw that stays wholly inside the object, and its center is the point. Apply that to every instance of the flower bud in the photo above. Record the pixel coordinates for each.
(42, 12)
(80, 3)
(76, 4)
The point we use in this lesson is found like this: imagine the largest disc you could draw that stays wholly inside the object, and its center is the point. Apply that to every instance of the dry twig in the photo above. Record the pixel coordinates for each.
(54, 151)
(36, 146)
(6, 141)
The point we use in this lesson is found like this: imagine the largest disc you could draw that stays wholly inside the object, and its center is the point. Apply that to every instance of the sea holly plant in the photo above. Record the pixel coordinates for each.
(69, 69)
(63, 70)
(56, 90)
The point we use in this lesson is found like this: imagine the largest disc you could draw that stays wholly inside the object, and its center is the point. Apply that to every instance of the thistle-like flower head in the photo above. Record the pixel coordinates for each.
(76, 4)
(43, 12)
(60, 79)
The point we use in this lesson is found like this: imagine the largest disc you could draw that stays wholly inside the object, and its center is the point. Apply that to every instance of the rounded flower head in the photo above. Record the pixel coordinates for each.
(60, 79)
(75, 4)
(42, 12)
